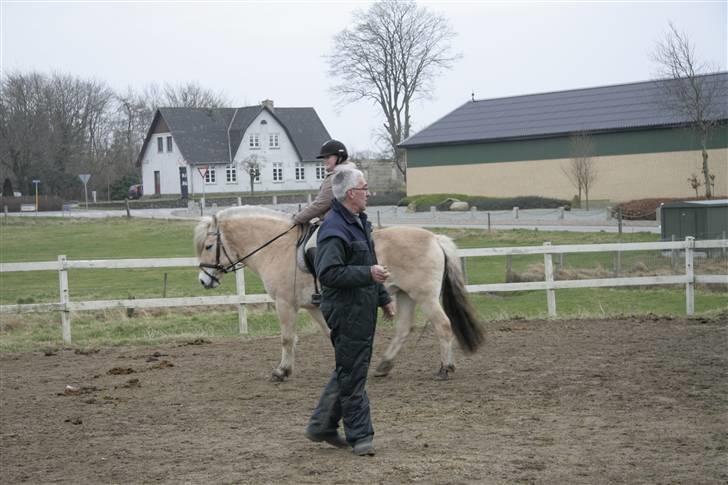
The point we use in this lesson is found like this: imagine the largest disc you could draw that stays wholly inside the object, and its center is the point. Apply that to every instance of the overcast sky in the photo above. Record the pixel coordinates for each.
(257, 50)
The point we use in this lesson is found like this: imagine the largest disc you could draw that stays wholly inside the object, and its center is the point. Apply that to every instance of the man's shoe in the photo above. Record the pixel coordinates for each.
(364, 447)
(334, 439)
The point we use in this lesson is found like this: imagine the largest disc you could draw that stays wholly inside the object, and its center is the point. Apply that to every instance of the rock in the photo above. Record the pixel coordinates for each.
(459, 206)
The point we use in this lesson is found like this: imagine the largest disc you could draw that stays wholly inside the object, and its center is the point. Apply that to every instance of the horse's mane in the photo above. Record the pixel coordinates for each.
(250, 211)
(203, 228)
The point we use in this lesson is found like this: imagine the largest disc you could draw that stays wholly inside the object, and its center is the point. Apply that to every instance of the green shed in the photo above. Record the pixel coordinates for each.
(702, 219)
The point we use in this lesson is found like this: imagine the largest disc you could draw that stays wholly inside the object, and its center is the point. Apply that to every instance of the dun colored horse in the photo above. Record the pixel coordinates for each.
(423, 266)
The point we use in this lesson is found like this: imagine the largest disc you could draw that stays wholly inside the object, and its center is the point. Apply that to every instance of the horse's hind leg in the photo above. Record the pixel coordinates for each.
(319, 318)
(435, 314)
(405, 317)
(287, 319)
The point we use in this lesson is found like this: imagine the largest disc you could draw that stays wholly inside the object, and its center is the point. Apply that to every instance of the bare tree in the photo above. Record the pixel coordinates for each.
(390, 57)
(252, 165)
(581, 169)
(695, 183)
(192, 95)
(688, 91)
(52, 128)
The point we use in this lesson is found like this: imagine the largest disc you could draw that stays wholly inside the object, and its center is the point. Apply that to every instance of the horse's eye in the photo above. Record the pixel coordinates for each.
(208, 247)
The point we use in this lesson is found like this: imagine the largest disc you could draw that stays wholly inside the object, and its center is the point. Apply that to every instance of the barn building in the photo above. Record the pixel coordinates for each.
(524, 145)
(211, 150)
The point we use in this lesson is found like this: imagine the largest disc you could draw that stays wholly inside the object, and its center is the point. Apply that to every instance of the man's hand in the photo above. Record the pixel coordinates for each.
(379, 273)
(389, 310)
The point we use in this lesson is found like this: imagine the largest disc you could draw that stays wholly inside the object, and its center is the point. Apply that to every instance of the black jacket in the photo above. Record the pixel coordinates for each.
(345, 254)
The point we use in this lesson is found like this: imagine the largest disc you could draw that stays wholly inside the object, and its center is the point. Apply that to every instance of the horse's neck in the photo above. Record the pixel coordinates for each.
(245, 236)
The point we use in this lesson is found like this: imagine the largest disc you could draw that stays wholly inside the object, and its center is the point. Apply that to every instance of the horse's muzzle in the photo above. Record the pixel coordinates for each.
(207, 280)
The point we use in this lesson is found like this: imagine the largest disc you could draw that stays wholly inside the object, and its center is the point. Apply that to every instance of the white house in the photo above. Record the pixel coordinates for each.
(207, 150)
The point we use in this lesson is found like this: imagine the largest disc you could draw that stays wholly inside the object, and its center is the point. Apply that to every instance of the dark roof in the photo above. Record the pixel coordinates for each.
(605, 108)
(202, 133)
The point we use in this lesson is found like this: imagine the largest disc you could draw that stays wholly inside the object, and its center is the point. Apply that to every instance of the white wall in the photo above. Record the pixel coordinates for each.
(285, 154)
(166, 163)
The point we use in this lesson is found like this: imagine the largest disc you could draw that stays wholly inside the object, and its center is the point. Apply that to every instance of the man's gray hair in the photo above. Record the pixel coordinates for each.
(344, 180)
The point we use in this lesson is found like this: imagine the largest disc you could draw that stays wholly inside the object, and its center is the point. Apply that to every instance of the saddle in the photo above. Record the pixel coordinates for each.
(305, 257)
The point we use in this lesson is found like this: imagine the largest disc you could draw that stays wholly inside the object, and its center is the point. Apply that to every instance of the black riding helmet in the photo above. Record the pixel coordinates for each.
(334, 147)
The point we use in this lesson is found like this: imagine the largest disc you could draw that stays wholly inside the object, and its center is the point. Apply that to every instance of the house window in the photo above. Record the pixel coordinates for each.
(231, 174)
(254, 141)
(300, 173)
(273, 140)
(210, 177)
(160, 144)
(278, 172)
(169, 143)
(320, 171)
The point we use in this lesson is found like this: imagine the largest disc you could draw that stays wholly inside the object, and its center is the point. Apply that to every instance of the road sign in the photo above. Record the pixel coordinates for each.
(84, 178)
(36, 181)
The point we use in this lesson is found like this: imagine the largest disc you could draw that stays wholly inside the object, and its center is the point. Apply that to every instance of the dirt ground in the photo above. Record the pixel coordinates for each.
(638, 400)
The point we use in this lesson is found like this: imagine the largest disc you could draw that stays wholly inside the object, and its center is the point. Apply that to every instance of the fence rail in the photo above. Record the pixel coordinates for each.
(65, 306)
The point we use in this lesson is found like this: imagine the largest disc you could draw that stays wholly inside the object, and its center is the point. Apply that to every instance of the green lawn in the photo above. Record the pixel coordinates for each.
(43, 239)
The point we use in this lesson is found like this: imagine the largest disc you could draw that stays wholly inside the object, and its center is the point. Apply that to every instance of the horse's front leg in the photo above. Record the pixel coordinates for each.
(287, 318)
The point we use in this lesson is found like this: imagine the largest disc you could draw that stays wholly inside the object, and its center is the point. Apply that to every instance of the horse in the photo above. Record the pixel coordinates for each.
(422, 266)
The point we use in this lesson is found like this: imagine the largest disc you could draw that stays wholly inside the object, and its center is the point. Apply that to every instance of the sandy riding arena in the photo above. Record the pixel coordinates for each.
(638, 400)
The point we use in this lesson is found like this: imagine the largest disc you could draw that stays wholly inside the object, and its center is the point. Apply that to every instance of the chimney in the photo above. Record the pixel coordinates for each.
(267, 103)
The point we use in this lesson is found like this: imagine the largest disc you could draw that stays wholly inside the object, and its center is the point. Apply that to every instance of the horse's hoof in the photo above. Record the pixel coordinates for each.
(442, 374)
(279, 375)
(384, 368)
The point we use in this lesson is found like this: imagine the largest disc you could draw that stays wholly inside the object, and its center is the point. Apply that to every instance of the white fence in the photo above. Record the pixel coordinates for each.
(65, 306)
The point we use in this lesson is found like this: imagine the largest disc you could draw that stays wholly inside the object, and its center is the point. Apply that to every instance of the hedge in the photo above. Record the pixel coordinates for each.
(442, 202)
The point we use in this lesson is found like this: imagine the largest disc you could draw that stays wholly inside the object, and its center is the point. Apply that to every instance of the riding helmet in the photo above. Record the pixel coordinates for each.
(334, 147)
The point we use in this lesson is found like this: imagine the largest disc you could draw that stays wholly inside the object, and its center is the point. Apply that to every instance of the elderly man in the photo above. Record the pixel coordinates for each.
(352, 290)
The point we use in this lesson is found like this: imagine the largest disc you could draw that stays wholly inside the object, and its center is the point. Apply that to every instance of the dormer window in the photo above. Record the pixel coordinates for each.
(263, 122)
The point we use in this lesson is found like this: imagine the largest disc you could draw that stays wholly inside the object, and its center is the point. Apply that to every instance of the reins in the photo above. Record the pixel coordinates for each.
(233, 266)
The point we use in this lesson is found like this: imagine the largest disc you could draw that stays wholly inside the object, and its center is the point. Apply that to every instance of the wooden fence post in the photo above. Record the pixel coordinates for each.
(242, 309)
(65, 298)
(548, 265)
(690, 275)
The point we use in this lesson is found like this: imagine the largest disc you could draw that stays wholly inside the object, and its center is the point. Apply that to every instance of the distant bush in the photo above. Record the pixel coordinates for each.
(423, 202)
(645, 209)
(381, 197)
(45, 202)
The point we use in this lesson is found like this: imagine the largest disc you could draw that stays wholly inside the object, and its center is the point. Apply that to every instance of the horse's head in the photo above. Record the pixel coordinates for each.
(210, 252)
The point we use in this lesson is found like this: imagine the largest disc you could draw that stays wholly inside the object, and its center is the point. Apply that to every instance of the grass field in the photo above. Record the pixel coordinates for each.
(43, 239)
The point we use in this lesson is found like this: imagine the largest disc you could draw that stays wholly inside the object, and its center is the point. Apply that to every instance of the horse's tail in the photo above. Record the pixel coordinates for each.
(464, 321)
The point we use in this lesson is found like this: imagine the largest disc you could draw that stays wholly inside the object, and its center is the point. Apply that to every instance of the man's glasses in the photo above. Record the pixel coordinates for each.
(360, 188)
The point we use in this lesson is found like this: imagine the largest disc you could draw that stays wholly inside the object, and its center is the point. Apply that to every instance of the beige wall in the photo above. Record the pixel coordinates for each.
(619, 178)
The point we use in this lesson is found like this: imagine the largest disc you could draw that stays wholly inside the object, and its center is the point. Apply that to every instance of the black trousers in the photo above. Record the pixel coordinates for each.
(345, 396)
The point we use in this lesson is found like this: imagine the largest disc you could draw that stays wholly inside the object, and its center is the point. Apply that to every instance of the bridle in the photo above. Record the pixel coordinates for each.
(233, 265)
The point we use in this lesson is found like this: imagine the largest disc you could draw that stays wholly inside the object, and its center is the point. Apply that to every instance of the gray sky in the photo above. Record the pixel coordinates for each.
(256, 50)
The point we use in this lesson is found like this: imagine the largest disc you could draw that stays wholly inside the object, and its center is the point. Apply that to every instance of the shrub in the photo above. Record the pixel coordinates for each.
(645, 209)
(45, 202)
(423, 202)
